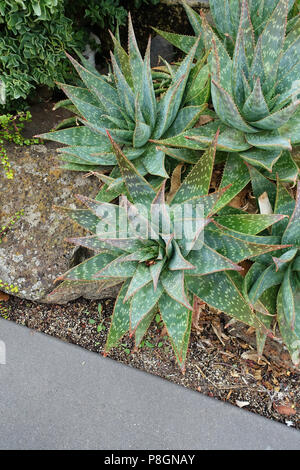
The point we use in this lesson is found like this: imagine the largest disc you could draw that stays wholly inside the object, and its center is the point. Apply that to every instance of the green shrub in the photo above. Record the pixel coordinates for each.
(35, 33)
(33, 37)
(103, 13)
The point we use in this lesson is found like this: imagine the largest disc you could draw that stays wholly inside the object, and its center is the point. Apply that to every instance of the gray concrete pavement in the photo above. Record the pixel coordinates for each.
(54, 395)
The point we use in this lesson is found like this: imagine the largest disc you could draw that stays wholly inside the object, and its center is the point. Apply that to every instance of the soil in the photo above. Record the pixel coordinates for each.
(44, 119)
(219, 364)
(170, 18)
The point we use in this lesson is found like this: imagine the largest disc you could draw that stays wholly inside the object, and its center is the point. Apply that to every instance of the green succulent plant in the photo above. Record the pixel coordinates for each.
(128, 109)
(226, 18)
(164, 262)
(255, 95)
(272, 285)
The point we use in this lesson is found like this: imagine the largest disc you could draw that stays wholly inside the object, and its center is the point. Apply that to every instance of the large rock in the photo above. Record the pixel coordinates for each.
(33, 252)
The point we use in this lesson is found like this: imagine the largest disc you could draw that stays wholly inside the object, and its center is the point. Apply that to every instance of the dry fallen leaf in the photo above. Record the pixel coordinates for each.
(246, 265)
(264, 204)
(257, 374)
(285, 410)
(217, 330)
(4, 297)
(289, 423)
(240, 201)
(267, 385)
(175, 181)
(203, 119)
(250, 356)
(234, 373)
(251, 330)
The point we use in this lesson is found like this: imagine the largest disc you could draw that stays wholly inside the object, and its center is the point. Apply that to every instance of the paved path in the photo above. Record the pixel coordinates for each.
(54, 395)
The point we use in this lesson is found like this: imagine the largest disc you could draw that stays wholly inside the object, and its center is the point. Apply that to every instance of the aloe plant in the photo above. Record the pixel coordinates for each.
(226, 18)
(127, 107)
(163, 262)
(255, 95)
(272, 285)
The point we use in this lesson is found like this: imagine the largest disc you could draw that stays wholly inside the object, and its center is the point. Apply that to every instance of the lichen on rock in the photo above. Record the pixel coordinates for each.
(33, 252)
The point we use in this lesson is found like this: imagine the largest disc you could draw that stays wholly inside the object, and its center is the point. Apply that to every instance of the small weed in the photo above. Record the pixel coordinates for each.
(10, 131)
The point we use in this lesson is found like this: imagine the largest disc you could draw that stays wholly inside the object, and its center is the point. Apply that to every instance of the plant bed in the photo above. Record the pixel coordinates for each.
(237, 166)
(221, 363)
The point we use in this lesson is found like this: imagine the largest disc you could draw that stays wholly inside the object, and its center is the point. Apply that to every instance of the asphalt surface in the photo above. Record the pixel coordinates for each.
(54, 395)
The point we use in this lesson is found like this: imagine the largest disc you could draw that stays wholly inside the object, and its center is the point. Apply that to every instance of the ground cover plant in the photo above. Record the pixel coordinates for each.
(11, 131)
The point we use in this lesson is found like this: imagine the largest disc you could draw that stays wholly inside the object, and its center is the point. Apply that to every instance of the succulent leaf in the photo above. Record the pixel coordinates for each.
(86, 270)
(182, 42)
(198, 180)
(227, 109)
(292, 231)
(140, 278)
(143, 302)
(173, 283)
(276, 278)
(251, 224)
(290, 336)
(234, 166)
(120, 319)
(220, 291)
(176, 319)
(142, 328)
(181, 356)
(273, 35)
(207, 261)
(237, 246)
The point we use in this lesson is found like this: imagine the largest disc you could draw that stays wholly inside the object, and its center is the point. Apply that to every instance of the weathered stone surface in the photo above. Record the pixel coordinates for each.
(67, 291)
(33, 252)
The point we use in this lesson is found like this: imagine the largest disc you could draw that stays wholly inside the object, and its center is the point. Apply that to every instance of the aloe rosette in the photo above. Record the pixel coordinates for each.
(127, 107)
(164, 268)
(272, 285)
(226, 18)
(255, 94)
